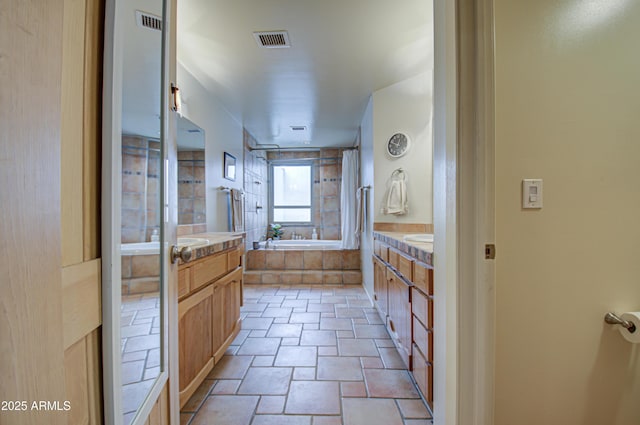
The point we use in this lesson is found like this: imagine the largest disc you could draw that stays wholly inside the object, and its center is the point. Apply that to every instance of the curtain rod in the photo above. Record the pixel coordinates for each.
(277, 148)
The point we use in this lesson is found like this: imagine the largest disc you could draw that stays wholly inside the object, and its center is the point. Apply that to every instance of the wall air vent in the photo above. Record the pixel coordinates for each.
(298, 128)
(272, 39)
(147, 20)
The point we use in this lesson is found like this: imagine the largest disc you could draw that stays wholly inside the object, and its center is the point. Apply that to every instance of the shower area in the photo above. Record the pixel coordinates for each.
(318, 249)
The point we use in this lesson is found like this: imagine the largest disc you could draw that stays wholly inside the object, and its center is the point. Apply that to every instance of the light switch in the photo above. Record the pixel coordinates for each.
(532, 193)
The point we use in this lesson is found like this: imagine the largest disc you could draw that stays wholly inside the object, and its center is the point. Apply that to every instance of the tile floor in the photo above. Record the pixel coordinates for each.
(140, 344)
(308, 355)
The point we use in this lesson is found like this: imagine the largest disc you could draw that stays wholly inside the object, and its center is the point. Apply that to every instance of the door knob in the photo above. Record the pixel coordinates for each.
(184, 253)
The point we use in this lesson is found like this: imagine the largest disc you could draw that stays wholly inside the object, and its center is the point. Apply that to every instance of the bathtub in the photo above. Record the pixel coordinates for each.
(140, 267)
(140, 248)
(303, 245)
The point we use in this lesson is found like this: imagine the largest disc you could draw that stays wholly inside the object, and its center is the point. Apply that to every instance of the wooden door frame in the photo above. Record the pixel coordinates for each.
(463, 212)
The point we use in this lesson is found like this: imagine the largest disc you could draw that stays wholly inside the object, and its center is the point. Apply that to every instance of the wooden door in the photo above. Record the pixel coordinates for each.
(31, 328)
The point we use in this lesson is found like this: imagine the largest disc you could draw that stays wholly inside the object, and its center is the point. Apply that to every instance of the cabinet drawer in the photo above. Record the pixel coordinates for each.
(381, 250)
(234, 260)
(208, 269)
(405, 267)
(423, 374)
(423, 339)
(423, 278)
(394, 258)
(422, 307)
(184, 281)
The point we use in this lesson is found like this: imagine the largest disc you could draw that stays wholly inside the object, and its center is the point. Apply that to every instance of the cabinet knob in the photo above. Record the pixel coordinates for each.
(184, 253)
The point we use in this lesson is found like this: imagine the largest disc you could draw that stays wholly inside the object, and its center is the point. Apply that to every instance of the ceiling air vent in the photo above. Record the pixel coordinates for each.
(272, 39)
(147, 20)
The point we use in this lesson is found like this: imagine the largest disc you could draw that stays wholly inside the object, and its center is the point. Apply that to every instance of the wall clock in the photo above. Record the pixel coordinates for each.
(398, 145)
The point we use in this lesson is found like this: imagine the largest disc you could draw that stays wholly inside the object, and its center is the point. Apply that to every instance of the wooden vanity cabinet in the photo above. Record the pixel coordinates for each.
(209, 300)
(399, 320)
(380, 290)
(403, 293)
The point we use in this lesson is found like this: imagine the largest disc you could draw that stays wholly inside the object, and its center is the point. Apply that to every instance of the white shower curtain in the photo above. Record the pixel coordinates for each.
(348, 203)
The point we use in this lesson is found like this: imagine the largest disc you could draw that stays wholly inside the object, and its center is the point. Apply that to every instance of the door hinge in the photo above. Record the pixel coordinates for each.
(489, 251)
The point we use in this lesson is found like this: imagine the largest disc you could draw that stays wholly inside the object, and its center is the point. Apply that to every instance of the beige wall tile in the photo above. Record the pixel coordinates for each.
(293, 260)
(332, 260)
(313, 260)
(274, 260)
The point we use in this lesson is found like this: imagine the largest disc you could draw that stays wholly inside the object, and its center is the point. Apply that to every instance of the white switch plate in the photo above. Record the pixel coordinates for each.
(532, 193)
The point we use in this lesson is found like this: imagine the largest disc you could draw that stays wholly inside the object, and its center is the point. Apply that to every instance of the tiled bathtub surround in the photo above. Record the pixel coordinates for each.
(140, 274)
(191, 187)
(293, 267)
(140, 188)
(308, 355)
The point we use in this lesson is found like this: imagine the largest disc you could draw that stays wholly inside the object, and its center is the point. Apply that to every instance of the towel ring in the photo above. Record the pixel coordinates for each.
(397, 173)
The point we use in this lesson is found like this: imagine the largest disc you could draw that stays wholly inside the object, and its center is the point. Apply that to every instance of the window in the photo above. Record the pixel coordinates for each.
(291, 193)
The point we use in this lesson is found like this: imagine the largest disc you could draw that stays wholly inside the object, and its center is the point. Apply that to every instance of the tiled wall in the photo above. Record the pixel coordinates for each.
(327, 178)
(140, 188)
(256, 191)
(292, 267)
(191, 187)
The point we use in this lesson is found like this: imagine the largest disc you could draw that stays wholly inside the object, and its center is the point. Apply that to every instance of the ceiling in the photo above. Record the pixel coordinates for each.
(341, 52)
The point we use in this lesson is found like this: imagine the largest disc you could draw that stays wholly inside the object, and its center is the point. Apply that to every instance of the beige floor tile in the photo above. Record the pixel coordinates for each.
(320, 308)
(304, 373)
(391, 358)
(327, 351)
(281, 420)
(296, 356)
(231, 367)
(371, 363)
(346, 334)
(366, 411)
(132, 371)
(185, 418)
(313, 397)
(353, 389)
(198, 397)
(290, 341)
(327, 420)
(266, 381)
(318, 338)
(370, 331)
(339, 369)
(298, 303)
(263, 361)
(336, 324)
(357, 347)
(386, 383)
(257, 323)
(413, 409)
(418, 422)
(277, 312)
(386, 342)
(226, 386)
(285, 330)
(271, 404)
(352, 313)
(259, 347)
(304, 318)
(226, 410)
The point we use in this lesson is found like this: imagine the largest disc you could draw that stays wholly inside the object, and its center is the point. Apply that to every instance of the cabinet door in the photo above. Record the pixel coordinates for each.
(399, 323)
(195, 336)
(226, 313)
(380, 287)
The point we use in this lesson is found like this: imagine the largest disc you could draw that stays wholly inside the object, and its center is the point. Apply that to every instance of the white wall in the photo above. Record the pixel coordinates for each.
(567, 102)
(367, 179)
(222, 134)
(405, 107)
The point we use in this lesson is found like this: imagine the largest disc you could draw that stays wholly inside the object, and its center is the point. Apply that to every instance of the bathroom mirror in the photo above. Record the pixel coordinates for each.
(134, 284)
(191, 173)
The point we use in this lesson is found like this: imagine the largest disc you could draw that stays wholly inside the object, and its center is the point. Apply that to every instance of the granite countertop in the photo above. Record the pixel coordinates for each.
(218, 241)
(420, 251)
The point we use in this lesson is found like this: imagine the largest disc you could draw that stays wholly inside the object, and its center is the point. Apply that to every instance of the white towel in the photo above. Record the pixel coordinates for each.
(237, 215)
(396, 201)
